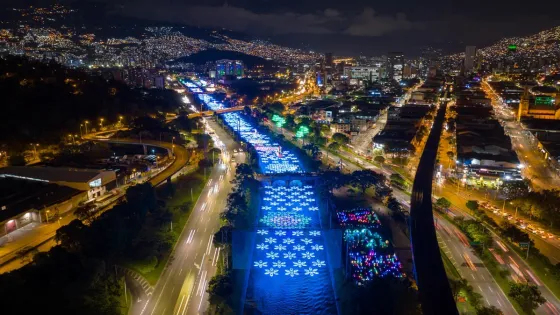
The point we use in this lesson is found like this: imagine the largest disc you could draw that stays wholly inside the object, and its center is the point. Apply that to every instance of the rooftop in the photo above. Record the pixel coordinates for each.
(50, 174)
(20, 195)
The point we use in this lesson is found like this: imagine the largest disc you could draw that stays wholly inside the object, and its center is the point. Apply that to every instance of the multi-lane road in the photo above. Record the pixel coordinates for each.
(182, 286)
(455, 245)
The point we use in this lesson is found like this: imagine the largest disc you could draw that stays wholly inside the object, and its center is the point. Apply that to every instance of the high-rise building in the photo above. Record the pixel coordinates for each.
(328, 61)
(229, 67)
(395, 66)
(470, 58)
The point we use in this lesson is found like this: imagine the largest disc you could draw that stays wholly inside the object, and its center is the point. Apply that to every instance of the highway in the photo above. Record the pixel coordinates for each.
(455, 245)
(181, 288)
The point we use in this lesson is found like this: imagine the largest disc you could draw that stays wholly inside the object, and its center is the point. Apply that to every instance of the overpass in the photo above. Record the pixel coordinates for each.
(178, 151)
(218, 111)
(435, 292)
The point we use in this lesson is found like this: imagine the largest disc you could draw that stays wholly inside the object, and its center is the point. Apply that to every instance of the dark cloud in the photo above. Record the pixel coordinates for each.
(368, 23)
(328, 21)
(359, 26)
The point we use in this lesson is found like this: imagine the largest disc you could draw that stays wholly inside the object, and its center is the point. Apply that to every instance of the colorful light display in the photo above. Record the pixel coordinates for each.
(302, 132)
(356, 217)
(367, 251)
(279, 120)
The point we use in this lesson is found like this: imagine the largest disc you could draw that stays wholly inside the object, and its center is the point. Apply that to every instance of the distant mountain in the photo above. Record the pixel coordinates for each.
(544, 44)
(213, 55)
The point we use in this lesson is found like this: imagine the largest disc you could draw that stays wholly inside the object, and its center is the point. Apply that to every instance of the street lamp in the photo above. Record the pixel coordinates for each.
(101, 123)
(35, 145)
(85, 124)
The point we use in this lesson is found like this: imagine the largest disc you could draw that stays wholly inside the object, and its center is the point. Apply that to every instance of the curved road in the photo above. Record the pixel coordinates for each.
(180, 153)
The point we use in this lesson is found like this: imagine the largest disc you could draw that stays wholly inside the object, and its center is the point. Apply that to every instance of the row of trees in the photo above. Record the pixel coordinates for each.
(237, 215)
(528, 296)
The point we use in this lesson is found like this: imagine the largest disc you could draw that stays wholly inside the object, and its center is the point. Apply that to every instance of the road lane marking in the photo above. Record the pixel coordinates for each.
(180, 305)
(202, 297)
(209, 246)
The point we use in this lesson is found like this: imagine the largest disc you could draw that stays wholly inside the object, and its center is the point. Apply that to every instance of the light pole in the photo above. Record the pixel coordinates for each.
(35, 145)
(101, 123)
(85, 124)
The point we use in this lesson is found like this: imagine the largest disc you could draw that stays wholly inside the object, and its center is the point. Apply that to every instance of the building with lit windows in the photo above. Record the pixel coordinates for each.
(362, 73)
(470, 58)
(229, 67)
(539, 102)
(94, 182)
(395, 66)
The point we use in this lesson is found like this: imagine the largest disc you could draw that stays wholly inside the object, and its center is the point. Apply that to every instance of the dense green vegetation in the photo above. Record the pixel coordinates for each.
(43, 102)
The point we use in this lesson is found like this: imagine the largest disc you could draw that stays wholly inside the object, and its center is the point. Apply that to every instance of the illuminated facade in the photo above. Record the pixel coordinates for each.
(229, 67)
(395, 66)
(470, 58)
(540, 102)
(366, 73)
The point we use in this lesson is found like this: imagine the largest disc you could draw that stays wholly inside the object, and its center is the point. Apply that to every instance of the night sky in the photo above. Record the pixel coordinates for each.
(360, 26)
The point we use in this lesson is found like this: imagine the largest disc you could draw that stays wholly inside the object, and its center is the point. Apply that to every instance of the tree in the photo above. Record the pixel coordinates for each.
(527, 295)
(85, 212)
(340, 138)
(26, 253)
(185, 123)
(489, 310)
(514, 233)
(379, 159)
(247, 110)
(334, 146)
(450, 155)
(472, 205)
(364, 179)
(333, 180)
(71, 236)
(312, 148)
(220, 290)
(276, 107)
(320, 141)
(397, 180)
(16, 160)
(443, 203)
(148, 123)
(515, 189)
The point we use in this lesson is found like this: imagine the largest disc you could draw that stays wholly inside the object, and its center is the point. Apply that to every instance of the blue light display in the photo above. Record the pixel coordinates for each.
(289, 268)
(272, 158)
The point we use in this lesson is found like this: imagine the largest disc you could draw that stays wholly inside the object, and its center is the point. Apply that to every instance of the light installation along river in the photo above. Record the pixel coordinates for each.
(290, 267)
